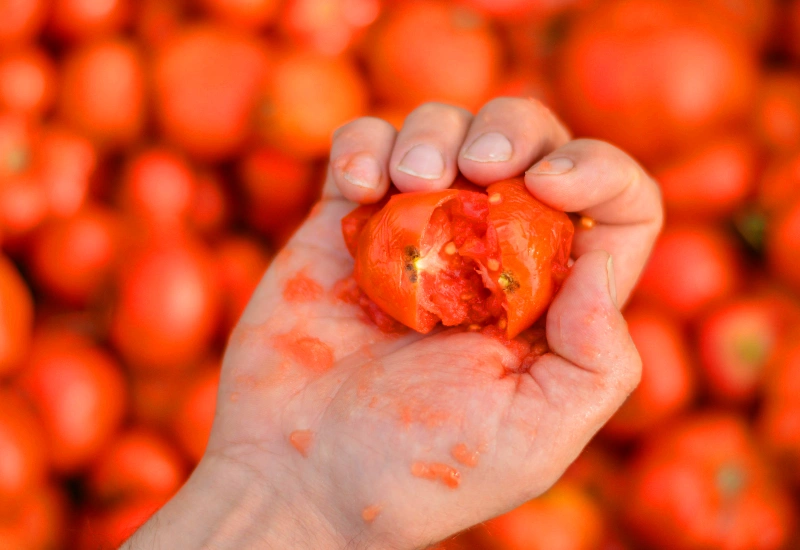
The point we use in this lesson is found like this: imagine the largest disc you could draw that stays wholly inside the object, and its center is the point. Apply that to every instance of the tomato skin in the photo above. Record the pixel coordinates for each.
(191, 424)
(73, 259)
(394, 243)
(623, 68)
(108, 527)
(80, 394)
(21, 21)
(38, 523)
(103, 92)
(523, 225)
(16, 318)
(22, 451)
(668, 384)
(783, 245)
(202, 66)
(139, 462)
(703, 468)
(380, 267)
(166, 310)
(241, 263)
(248, 14)
(87, 19)
(564, 517)
(27, 82)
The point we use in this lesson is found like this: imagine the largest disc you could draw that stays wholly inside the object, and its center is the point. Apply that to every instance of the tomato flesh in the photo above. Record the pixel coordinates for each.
(460, 256)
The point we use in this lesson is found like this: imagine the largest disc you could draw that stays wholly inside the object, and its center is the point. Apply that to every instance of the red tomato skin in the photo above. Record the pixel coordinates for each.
(534, 260)
(191, 424)
(80, 394)
(139, 462)
(27, 82)
(39, 522)
(782, 245)
(22, 451)
(381, 267)
(16, 318)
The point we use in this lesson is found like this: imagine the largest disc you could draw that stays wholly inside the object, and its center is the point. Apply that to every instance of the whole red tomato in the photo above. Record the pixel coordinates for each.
(703, 484)
(653, 76)
(27, 81)
(73, 259)
(166, 310)
(103, 91)
(564, 517)
(23, 451)
(139, 462)
(668, 383)
(460, 256)
(39, 522)
(16, 317)
(206, 81)
(79, 392)
(191, 424)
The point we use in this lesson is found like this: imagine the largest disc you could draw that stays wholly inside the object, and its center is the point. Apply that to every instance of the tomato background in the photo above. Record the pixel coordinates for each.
(156, 154)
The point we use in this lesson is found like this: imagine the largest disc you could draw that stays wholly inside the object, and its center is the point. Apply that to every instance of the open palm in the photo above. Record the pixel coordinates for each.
(401, 440)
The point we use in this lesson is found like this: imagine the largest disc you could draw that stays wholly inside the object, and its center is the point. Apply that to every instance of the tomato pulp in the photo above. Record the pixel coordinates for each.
(463, 255)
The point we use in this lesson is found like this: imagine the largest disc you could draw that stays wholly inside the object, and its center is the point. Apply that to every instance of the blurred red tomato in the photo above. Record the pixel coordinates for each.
(65, 164)
(103, 91)
(777, 110)
(306, 98)
(328, 26)
(778, 429)
(206, 82)
(108, 527)
(158, 20)
(27, 81)
(194, 416)
(691, 267)
(702, 484)
(166, 310)
(212, 207)
(712, 181)
(653, 76)
(241, 263)
(779, 185)
(38, 523)
(73, 259)
(138, 462)
(22, 452)
(23, 205)
(155, 395)
(79, 392)
(248, 14)
(753, 19)
(278, 190)
(433, 51)
(158, 189)
(600, 474)
(16, 317)
(16, 144)
(736, 342)
(564, 517)
(668, 383)
(21, 20)
(516, 9)
(88, 19)
(782, 245)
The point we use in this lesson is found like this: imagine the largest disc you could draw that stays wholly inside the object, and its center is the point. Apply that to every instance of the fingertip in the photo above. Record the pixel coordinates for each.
(360, 177)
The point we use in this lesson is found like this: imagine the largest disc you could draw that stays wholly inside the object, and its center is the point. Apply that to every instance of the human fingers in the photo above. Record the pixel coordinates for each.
(620, 201)
(359, 160)
(425, 153)
(506, 136)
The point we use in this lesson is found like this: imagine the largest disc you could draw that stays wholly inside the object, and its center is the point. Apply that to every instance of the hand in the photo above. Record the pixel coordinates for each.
(325, 425)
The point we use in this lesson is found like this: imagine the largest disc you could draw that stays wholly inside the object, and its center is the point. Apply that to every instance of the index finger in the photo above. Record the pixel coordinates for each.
(607, 186)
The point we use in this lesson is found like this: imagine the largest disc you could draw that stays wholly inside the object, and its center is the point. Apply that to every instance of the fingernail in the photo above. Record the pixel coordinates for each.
(423, 161)
(363, 171)
(612, 284)
(490, 147)
(552, 167)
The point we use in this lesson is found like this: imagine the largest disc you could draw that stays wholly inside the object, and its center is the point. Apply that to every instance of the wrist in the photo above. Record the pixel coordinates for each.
(227, 505)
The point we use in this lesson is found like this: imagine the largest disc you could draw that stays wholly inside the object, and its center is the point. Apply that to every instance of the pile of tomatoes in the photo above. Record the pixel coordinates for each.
(155, 154)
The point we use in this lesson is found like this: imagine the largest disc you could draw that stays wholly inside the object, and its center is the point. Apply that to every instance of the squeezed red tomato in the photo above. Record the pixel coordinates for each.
(461, 256)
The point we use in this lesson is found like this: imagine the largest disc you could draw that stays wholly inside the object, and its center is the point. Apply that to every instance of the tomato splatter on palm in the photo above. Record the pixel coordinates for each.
(369, 513)
(460, 256)
(302, 288)
(301, 440)
(438, 472)
(308, 351)
(464, 455)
